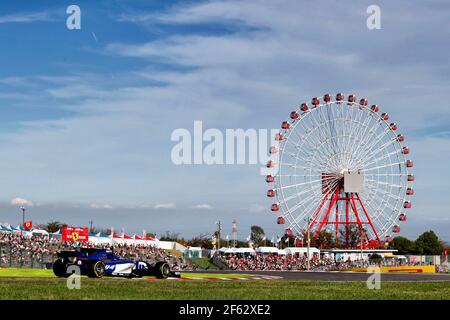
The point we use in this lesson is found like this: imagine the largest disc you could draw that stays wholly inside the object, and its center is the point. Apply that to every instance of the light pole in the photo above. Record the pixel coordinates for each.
(219, 226)
(23, 214)
(361, 248)
(308, 242)
(362, 238)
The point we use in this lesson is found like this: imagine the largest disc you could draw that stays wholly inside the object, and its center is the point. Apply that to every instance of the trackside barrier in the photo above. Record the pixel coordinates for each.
(404, 269)
(22, 258)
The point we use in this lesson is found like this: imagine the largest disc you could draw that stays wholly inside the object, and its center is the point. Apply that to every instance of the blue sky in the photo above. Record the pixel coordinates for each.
(86, 115)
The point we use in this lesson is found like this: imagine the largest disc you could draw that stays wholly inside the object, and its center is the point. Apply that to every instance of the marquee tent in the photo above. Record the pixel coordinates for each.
(193, 252)
(267, 250)
(39, 232)
(117, 239)
(245, 250)
(302, 250)
(99, 239)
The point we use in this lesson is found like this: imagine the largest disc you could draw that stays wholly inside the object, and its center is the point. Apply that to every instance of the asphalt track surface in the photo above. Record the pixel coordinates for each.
(341, 276)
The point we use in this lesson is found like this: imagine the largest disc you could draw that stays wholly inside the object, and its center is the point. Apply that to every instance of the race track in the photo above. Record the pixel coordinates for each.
(340, 276)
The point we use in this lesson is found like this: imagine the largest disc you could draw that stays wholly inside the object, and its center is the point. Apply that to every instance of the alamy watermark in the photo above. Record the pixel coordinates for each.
(73, 21)
(74, 280)
(229, 147)
(374, 280)
(373, 22)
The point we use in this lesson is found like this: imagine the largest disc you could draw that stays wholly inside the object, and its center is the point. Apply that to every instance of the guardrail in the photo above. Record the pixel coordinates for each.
(403, 269)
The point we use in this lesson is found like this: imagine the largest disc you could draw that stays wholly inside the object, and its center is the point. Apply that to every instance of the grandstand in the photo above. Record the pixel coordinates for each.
(37, 248)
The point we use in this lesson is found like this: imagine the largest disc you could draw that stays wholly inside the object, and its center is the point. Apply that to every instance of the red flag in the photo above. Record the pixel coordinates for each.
(75, 234)
(27, 225)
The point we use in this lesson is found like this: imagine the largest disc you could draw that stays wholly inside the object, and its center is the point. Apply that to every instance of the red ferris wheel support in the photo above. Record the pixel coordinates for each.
(353, 216)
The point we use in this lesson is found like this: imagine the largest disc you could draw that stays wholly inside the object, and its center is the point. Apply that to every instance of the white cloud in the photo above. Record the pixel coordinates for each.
(202, 206)
(258, 208)
(165, 206)
(100, 206)
(246, 12)
(15, 81)
(21, 202)
(76, 91)
(26, 17)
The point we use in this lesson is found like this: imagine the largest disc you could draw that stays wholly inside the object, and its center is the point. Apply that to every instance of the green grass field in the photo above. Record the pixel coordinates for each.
(45, 273)
(40, 284)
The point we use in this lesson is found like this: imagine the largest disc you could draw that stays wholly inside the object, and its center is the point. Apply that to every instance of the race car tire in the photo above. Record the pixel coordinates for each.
(60, 268)
(96, 269)
(162, 270)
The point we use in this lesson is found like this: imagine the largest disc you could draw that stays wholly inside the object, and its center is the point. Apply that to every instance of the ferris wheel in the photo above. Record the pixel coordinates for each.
(340, 166)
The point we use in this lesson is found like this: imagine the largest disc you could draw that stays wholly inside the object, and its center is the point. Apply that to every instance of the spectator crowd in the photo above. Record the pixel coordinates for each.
(16, 250)
(38, 251)
(270, 262)
(299, 262)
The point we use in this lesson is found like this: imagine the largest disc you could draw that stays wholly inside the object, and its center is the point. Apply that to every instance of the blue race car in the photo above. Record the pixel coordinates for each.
(96, 263)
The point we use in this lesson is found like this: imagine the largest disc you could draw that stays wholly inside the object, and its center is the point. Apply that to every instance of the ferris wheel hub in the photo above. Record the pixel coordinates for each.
(353, 181)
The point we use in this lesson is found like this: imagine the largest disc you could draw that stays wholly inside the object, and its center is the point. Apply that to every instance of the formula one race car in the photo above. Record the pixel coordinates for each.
(96, 263)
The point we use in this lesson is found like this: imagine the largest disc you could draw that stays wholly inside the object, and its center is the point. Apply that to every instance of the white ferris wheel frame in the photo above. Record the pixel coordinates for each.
(335, 135)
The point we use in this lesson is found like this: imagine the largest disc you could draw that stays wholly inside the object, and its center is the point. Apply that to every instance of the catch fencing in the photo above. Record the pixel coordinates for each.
(20, 257)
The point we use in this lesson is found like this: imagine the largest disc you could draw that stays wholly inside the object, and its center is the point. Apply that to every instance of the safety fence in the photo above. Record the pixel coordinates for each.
(19, 257)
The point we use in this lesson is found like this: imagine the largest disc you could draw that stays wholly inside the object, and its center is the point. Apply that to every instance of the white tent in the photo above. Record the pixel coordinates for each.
(4, 228)
(245, 250)
(117, 240)
(193, 252)
(267, 250)
(160, 244)
(40, 232)
(56, 235)
(100, 240)
(302, 250)
(282, 252)
(230, 250)
(27, 234)
(129, 241)
(166, 245)
(141, 242)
